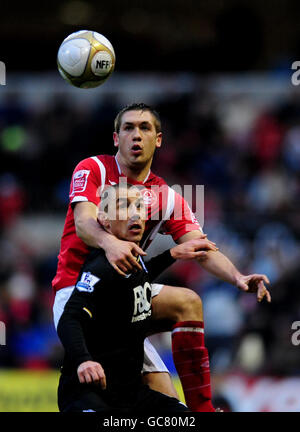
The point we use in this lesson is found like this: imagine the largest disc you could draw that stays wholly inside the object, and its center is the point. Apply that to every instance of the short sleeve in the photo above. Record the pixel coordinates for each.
(182, 220)
(88, 180)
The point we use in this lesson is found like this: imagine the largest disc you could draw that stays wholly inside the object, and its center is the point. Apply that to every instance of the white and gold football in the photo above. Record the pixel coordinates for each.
(86, 59)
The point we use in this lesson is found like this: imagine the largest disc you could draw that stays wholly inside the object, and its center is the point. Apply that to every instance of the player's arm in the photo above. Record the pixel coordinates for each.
(87, 226)
(87, 180)
(220, 266)
(84, 197)
(70, 329)
(195, 248)
(119, 253)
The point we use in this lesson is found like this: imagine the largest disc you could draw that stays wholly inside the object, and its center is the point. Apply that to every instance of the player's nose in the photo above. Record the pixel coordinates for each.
(134, 214)
(137, 134)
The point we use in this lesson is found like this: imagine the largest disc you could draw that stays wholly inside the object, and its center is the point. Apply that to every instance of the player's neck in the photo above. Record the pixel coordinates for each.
(138, 173)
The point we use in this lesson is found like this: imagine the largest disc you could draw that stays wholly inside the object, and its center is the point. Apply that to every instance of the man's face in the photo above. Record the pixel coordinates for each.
(137, 138)
(127, 220)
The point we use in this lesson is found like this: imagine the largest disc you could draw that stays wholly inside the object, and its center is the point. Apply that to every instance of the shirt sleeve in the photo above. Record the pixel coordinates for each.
(88, 180)
(79, 315)
(158, 264)
(182, 220)
(78, 310)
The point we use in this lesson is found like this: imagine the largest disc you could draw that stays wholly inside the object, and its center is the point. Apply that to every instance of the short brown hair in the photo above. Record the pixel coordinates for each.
(137, 107)
(106, 194)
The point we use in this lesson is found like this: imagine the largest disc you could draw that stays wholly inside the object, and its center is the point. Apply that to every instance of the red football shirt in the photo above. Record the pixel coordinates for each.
(168, 212)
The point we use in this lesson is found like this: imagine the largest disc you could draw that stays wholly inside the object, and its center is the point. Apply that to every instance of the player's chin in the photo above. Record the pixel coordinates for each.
(134, 237)
(138, 158)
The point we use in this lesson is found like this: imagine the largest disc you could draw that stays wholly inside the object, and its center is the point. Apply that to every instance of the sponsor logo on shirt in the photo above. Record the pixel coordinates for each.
(142, 302)
(80, 181)
(87, 282)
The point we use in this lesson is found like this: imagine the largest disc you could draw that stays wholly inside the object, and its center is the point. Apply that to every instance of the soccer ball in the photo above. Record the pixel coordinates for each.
(86, 59)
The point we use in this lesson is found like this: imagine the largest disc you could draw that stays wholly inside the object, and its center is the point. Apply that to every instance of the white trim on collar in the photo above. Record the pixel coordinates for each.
(119, 169)
(120, 172)
(147, 176)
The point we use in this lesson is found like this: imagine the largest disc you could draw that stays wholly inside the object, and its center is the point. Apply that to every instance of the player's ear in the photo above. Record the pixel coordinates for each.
(103, 219)
(116, 139)
(158, 139)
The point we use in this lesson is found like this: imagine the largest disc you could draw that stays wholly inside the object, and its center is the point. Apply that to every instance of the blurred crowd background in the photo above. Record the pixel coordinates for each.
(245, 153)
(236, 133)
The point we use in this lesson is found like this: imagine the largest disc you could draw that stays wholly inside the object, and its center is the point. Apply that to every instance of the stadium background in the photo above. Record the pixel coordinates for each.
(220, 75)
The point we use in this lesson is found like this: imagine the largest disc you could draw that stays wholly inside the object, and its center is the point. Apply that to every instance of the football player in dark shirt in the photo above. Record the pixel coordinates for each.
(107, 317)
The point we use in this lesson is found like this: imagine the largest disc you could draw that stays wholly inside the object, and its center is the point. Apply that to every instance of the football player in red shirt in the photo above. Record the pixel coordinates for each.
(137, 135)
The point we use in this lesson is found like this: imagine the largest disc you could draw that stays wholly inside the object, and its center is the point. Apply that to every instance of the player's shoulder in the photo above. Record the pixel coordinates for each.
(93, 161)
(97, 264)
(96, 261)
(106, 159)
